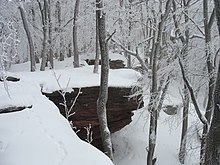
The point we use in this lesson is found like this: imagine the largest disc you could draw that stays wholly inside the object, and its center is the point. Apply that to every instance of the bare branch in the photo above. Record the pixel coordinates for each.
(176, 24)
(193, 98)
(146, 40)
(74, 102)
(110, 36)
(212, 19)
(133, 54)
(200, 30)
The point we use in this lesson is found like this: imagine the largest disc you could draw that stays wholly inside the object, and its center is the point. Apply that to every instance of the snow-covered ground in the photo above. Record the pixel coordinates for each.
(131, 142)
(41, 136)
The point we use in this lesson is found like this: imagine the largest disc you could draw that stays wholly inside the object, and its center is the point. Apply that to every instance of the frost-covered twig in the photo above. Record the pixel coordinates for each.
(89, 134)
(74, 102)
(62, 92)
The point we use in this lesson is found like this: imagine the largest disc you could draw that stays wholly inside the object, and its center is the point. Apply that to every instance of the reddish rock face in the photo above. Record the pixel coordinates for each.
(119, 110)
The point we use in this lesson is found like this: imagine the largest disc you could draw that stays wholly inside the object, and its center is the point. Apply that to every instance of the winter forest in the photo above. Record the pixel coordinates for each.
(149, 70)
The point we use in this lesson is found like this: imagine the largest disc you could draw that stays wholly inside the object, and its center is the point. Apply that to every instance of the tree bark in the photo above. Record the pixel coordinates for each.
(129, 36)
(75, 44)
(50, 35)
(182, 151)
(44, 15)
(212, 155)
(210, 70)
(30, 41)
(103, 92)
(96, 64)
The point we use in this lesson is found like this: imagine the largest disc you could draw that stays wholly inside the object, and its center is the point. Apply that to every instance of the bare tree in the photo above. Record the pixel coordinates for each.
(103, 92)
(30, 41)
(152, 106)
(44, 19)
(75, 45)
(184, 38)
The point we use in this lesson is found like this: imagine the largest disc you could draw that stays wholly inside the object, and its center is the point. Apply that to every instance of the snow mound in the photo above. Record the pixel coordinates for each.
(39, 135)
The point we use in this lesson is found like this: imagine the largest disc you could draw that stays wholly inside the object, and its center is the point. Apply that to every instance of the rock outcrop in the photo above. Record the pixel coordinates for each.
(119, 110)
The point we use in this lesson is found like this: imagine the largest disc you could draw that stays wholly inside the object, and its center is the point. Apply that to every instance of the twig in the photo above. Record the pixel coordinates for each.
(110, 36)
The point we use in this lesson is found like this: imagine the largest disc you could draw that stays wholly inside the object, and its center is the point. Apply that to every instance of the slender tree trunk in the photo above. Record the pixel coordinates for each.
(75, 44)
(129, 37)
(96, 64)
(210, 70)
(184, 37)
(152, 106)
(44, 13)
(37, 60)
(103, 92)
(70, 50)
(163, 94)
(50, 35)
(58, 28)
(30, 41)
(185, 52)
(182, 151)
(212, 155)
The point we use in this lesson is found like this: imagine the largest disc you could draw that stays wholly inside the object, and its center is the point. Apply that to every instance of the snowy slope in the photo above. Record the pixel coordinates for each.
(131, 142)
(39, 135)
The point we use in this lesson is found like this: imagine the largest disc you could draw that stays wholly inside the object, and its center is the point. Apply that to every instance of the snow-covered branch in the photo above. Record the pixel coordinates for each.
(193, 98)
(68, 111)
(135, 54)
(89, 134)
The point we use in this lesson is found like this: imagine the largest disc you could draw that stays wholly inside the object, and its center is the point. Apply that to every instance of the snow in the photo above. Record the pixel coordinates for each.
(77, 77)
(131, 143)
(40, 135)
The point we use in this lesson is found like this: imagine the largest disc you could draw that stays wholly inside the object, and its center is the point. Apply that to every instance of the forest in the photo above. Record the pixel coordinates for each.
(169, 48)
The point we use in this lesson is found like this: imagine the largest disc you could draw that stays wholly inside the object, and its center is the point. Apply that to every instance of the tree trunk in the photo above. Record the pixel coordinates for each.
(210, 70)
(96, 64)
(103, 92)
(152, 106)
(182, 151)
(75, 44)
(50, 35)
(212, 155)
(184, 38)
(30, 41)
(37, 60)
(129, 36)
(44, 13)
(217, 11)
